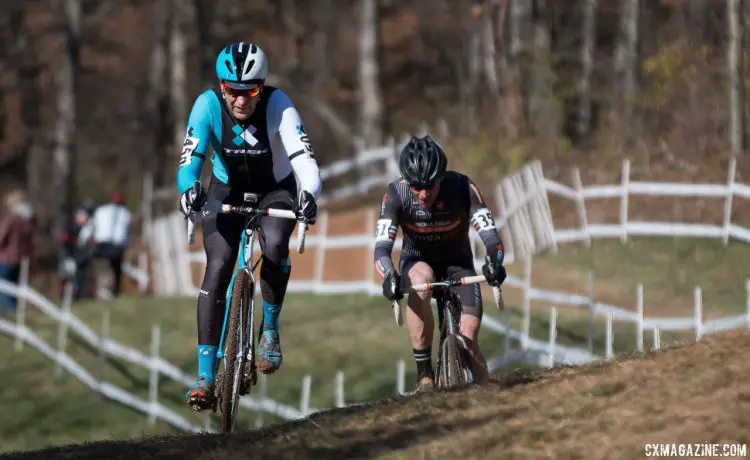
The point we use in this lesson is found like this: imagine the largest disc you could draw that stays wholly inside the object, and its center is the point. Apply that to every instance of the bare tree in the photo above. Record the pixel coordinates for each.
(626, 62)
(178, 73)
(204, 16)
(588, 45)
(542, 108)
(156, 98)
(64, 151)
(474, 54)
(291, 54)
(371, 98)
(489, 53)
(736, 76)
(322, 43)
(518, 24)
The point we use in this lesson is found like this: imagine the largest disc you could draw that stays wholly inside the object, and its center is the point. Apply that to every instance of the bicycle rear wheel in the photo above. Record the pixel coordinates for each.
(235, 350)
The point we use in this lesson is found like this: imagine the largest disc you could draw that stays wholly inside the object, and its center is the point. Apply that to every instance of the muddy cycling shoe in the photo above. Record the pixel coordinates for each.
(425, 384)
(201, 396)
(269, 352)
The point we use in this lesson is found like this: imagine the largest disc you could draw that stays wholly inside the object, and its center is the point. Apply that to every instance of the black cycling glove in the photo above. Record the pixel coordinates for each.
(392, 286)
(306, 206)
(192, 199)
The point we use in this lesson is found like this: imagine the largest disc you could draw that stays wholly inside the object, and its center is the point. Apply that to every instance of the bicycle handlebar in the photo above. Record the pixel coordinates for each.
(251, 211)
(496, 291)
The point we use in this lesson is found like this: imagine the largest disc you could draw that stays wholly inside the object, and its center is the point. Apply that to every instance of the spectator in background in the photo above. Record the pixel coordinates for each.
(17, 229)
(108, 234)
(69, 249)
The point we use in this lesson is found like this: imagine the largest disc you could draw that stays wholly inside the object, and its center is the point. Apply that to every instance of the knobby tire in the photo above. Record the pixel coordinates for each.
(457, 362)
(232, 367)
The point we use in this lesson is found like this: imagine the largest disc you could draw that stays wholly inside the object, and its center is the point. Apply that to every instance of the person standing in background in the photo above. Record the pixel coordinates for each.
(108, 234)
(17, 230)
(68, 250)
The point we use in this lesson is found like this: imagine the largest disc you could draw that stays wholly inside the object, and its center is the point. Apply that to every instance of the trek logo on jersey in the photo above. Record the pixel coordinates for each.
(245, 136)
(188, 147)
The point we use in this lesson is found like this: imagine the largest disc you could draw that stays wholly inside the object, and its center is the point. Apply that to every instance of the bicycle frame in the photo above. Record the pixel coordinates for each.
(247, 242)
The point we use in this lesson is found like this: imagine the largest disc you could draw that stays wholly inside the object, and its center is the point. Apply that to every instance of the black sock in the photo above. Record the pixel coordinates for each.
(424, 362)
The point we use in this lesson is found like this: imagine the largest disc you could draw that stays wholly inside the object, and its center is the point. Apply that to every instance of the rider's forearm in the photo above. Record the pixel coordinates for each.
(383, 262)
(484, 224)
(307, 171)
(493, 244)
(189, 173)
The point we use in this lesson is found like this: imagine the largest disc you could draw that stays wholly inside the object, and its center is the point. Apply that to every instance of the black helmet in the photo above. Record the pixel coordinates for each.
(422, 161)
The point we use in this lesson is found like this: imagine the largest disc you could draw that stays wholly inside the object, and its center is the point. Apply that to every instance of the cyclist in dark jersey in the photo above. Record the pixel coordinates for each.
(435, 209)
(259, 146)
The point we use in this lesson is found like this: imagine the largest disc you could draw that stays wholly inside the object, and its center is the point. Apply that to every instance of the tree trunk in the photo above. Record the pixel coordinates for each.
(542, 107)
(520, 12)
(474, 45)
(736, 76)
(489, 52)
(157, 102)
(322, 43)
(289, 18)
(371, 99)
(64, 151)
(626, 62)
(508, 114)
(178, 81)
(204, 15)
(588, 46)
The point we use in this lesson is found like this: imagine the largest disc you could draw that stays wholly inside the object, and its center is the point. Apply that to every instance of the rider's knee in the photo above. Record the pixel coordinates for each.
(421, 273)
(276, 245)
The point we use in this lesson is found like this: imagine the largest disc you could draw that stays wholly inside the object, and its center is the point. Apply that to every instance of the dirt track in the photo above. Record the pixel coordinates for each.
(690, 394)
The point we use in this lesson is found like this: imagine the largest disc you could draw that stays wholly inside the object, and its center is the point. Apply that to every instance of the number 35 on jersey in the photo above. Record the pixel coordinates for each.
(482, 220)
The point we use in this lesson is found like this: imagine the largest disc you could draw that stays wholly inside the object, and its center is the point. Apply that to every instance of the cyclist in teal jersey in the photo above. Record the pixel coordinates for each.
(259, 146)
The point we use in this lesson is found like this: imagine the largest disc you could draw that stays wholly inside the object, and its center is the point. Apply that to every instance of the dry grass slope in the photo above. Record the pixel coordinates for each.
(692, 393)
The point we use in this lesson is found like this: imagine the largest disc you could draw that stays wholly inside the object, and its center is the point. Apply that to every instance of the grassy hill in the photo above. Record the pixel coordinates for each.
(320, 336)
(353, 333)
(689, 394)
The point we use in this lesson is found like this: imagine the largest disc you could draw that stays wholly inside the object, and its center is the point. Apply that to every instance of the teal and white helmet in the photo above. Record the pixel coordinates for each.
(241, 65)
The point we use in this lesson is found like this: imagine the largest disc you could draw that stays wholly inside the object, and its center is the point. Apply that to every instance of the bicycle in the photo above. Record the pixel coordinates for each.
(453, 362)
(238, 346)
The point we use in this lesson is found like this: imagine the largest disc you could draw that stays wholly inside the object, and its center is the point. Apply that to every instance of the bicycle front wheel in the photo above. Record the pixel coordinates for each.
(234, 350)
(455, 369)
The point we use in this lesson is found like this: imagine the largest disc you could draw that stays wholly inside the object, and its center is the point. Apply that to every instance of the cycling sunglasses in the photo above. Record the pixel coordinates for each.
(419, 186)
(248, 92)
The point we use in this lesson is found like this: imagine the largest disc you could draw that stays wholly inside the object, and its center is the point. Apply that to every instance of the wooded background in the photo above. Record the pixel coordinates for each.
(95, 93)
